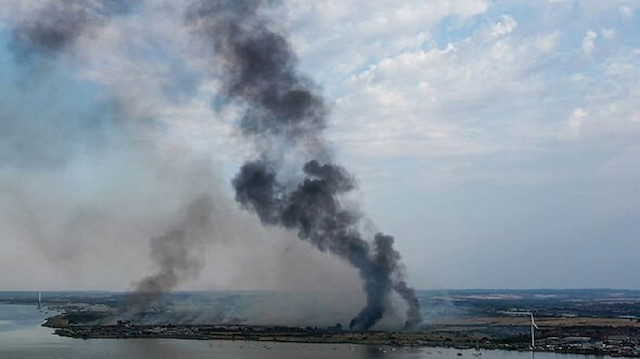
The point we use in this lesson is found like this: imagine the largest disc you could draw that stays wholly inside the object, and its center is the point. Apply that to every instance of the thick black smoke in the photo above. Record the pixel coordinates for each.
(285, 115)
(283, 107)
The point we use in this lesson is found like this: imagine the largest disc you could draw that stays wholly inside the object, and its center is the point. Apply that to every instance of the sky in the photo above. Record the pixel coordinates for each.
(497, 141)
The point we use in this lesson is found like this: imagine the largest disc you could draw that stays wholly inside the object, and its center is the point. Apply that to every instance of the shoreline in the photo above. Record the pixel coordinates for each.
(282, 334)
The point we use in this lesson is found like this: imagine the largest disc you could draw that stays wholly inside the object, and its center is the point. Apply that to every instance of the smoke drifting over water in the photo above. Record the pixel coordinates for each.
(285, 113)
(292, 182)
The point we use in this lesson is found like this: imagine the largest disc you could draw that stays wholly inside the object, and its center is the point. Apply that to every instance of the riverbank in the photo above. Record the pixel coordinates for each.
(335, 335)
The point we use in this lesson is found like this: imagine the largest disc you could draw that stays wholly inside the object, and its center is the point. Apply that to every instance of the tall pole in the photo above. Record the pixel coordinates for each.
(533, 337)
(533, 332)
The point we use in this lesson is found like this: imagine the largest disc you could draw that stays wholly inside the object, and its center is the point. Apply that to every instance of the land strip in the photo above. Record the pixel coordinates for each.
(613, 337)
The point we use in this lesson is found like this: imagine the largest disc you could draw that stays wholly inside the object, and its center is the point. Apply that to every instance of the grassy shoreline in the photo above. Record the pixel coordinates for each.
(434, 337)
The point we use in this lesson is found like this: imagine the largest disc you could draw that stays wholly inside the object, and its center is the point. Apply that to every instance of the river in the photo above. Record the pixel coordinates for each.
(22, 337)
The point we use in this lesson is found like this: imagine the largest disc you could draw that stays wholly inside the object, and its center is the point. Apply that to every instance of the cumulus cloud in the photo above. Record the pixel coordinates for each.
(588, 42)
(575, 120)
(353, 36)
(608, 33)
(626, 11)
(415, 102)
(504, 27)
(441, 100)
(547, 43)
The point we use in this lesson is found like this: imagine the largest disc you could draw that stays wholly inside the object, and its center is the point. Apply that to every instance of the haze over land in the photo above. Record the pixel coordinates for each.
(497, 141)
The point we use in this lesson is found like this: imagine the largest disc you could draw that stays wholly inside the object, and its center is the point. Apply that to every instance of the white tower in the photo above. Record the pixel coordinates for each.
(39, 300)
(533, 333)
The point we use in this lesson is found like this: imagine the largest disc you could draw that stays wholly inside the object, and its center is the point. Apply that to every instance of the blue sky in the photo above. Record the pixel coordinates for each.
(497, 140)
(499, 144)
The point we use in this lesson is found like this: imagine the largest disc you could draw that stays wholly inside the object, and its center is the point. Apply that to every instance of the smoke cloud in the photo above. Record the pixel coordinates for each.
(60, 24)
(177, 254)
(54, 25)
(292, 181)
(41, 32)
(285, 112)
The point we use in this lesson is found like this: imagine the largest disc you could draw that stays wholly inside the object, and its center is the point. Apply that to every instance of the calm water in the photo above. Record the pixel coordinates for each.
(21, 337)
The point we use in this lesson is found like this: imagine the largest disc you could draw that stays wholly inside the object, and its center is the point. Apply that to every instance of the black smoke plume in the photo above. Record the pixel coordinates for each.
(52, 29)
(176, 254)
(285, 114)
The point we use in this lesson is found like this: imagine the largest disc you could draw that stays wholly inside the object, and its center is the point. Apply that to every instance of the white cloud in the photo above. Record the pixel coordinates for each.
(626, 11)
(340, 37)
(425, 103)
(547, 43)
(588, 42)
(504, 27)
(498, 87)
(608, 33)
(575, 121)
